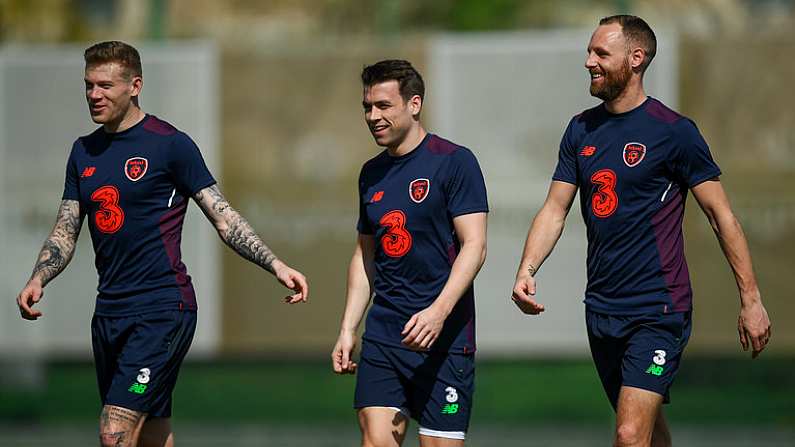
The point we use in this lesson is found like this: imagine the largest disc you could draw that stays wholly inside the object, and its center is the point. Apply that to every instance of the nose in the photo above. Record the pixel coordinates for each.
(93, 93)
(373, 115)
(590, 61)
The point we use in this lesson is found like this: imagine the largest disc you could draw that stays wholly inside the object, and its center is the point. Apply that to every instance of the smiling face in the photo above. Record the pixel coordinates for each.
(110, 92)
(388, 116)
(608, 62)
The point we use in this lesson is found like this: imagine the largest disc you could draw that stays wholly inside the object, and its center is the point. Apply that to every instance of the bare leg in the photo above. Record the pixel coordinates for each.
(661, 436)
(433, 441)
(636, 416)
(382, 427)
(120, 427)
(156, 432)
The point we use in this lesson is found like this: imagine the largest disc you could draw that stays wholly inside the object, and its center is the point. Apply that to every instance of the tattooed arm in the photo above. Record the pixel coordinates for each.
(53, 258)
(236, 232)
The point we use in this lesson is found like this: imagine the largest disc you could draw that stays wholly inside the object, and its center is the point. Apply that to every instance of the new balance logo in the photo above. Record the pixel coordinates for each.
(450, 409)
(88, 171)
(137, 388)
(587, 151)
(377, 197)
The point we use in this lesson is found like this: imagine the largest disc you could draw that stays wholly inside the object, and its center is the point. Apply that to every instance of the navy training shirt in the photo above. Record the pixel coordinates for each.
(134, 187)
(633, 170)
(408, 203)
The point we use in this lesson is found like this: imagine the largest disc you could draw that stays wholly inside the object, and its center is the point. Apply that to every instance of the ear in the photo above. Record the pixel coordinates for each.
(136, 85)
(636, 58)
(415, 104)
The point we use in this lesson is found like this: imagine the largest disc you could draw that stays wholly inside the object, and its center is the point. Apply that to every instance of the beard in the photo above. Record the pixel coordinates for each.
(614, 84)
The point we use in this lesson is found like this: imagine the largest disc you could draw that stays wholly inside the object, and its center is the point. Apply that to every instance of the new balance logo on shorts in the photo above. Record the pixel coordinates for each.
(658, 361)
(143, 378)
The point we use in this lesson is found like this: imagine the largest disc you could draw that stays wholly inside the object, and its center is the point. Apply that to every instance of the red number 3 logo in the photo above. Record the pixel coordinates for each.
(396, 242)
(604, 200)
(109, 217)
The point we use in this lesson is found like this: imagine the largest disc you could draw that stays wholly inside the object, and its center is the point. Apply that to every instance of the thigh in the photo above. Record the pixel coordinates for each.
(149, 362)
(443, 386)
(654, 352)
(120, 426)
(636, 415)
(432, 441)
(156, 432)
(382, 426)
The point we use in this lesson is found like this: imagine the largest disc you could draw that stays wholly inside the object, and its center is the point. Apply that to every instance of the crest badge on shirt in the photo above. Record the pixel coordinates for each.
(634, 153)
(418, 189)
(135, 168)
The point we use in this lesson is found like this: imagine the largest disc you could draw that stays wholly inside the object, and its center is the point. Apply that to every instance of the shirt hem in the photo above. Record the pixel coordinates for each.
(469, 211)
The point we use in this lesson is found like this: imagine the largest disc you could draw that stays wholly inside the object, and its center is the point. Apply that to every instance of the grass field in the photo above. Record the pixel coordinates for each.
(726, 402)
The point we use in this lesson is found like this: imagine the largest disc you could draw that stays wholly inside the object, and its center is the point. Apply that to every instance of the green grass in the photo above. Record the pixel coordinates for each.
(707, 391)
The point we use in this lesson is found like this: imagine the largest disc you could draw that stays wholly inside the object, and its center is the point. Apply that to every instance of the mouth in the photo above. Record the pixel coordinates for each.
(378, 129)
(95, 109)
(596, 76)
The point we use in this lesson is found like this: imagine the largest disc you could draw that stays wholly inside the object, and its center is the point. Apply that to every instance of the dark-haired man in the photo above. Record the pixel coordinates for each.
(133, 178)
(634, 160)
(422, 240)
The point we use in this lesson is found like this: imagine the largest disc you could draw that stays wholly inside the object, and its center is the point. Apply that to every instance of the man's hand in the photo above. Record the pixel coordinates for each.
(30, 295)
(423, 328)
(524, 292)
(293, 280)
(753, 326)
(341, 361)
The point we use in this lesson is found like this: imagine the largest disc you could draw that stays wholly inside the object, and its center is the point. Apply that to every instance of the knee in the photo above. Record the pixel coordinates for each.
(631, 435)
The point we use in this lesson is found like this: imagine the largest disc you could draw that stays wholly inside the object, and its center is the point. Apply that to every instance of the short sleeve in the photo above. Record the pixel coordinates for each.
(189, 171)
(693, 163)
(566, 170)
(363, 226)
(465, 187)
(71, 189)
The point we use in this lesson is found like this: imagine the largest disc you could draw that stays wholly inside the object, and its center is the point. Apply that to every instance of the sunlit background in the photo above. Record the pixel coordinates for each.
(270, 91)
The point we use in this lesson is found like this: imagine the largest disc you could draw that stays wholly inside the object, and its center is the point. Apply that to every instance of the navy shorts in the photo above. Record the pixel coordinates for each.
(434, 388)
(137, 358)
(637, 351)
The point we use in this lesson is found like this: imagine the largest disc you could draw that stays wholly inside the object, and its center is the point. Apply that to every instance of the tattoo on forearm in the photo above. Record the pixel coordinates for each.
(60, 245)
(238, 234)
(532, 269)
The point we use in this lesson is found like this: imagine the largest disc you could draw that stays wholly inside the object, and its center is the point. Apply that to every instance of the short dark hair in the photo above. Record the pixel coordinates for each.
(409, 80)
(637, 32)
(115, 51)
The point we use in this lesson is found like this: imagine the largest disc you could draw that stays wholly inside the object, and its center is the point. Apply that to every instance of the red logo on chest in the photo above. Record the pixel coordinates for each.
(135, 168)
(418, 189)
(634, 153)
(88, 171)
